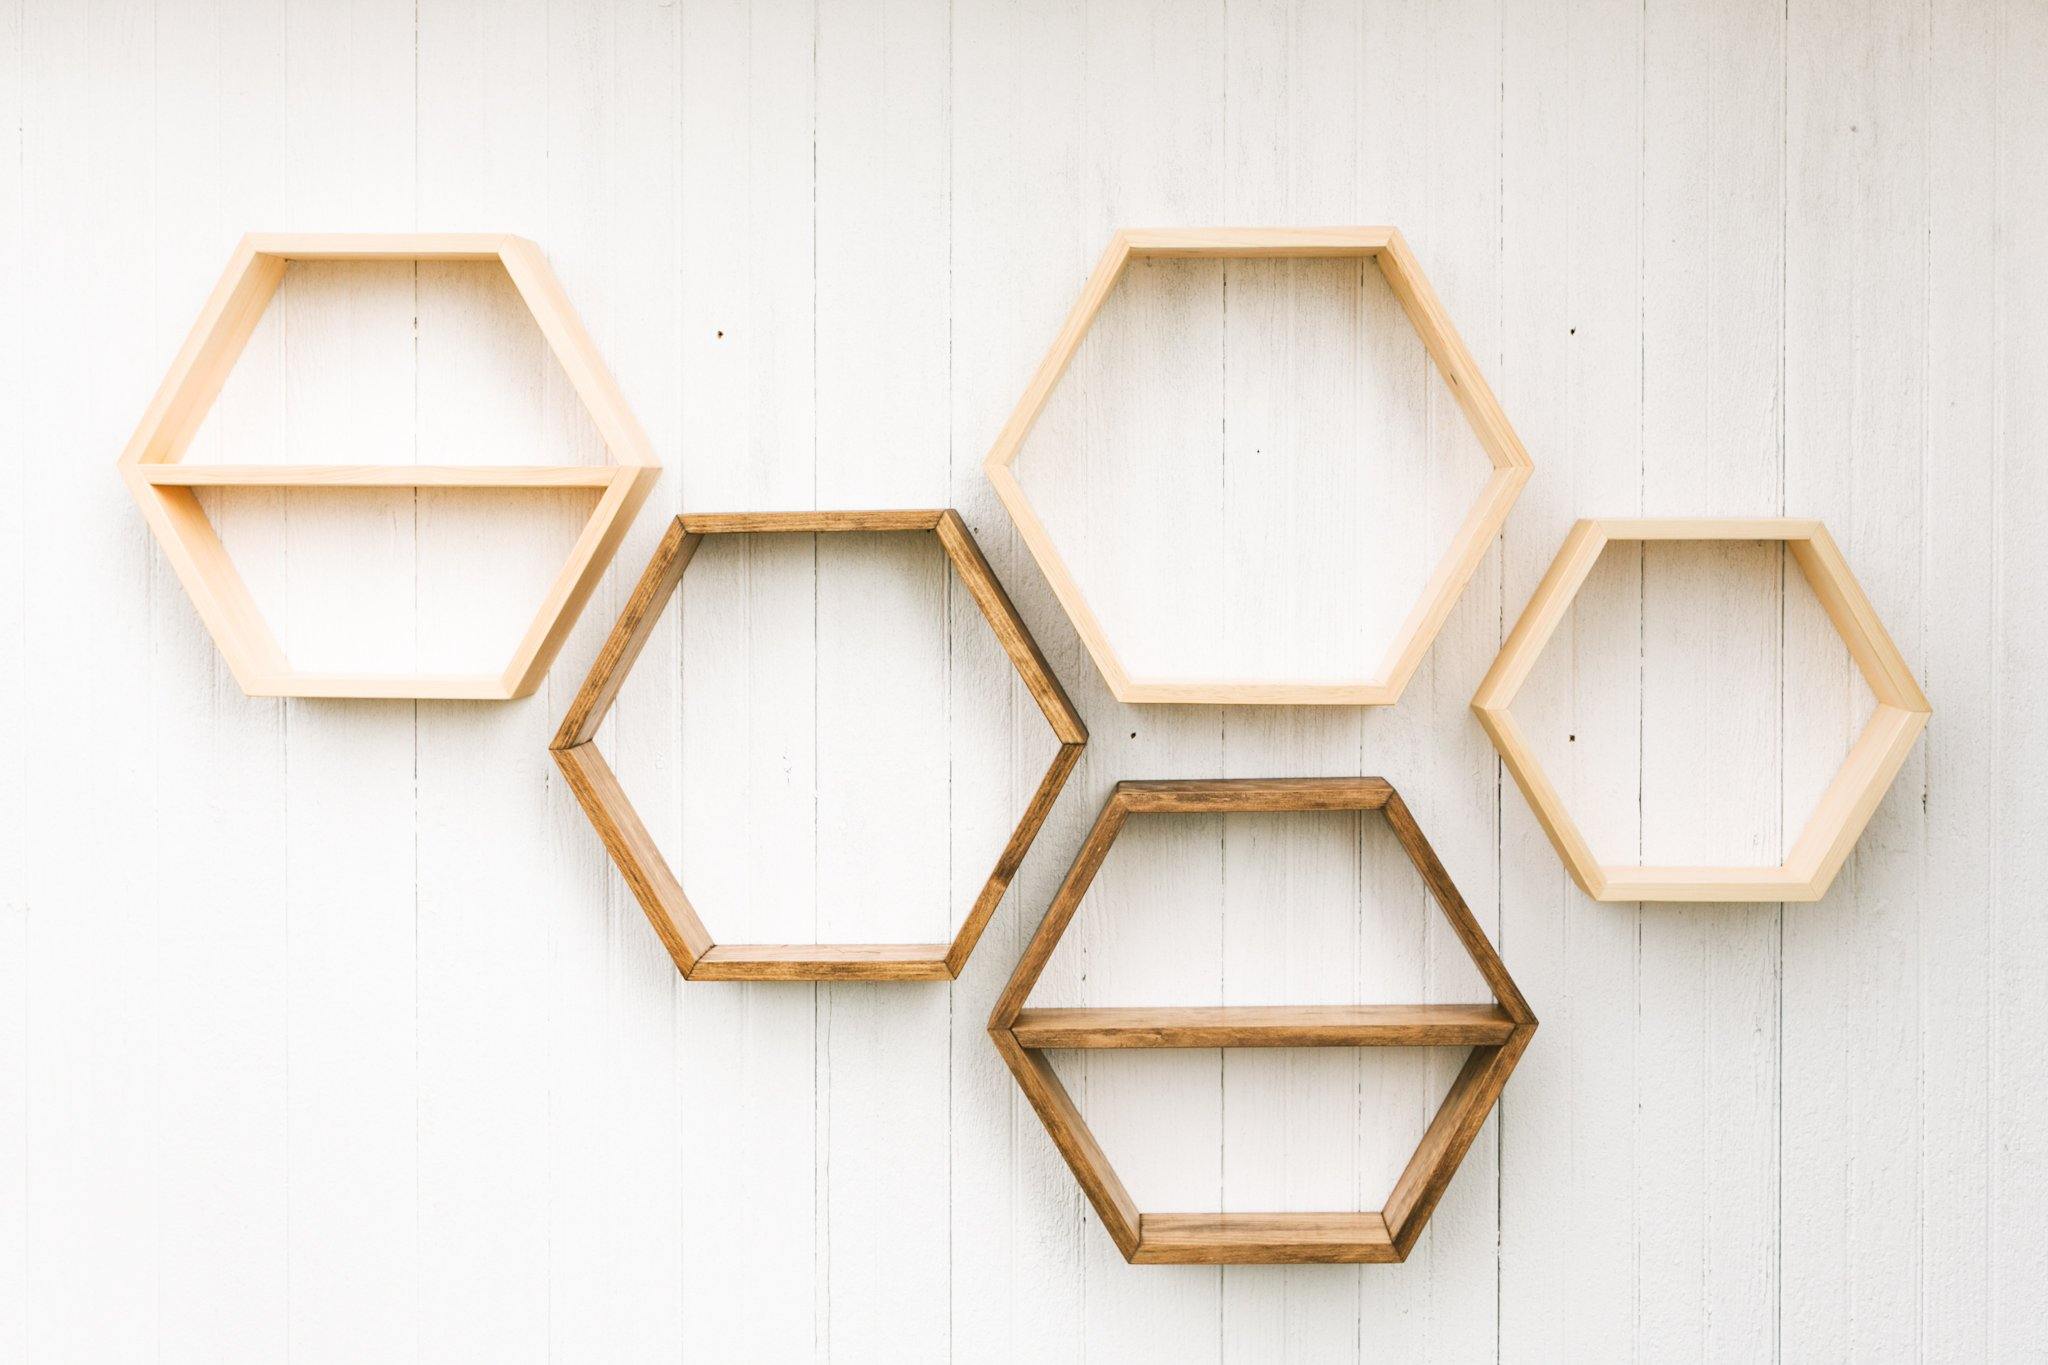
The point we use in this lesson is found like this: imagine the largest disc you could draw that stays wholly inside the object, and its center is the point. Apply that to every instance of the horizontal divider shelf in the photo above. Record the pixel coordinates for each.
(1252, 795)
(379, 475)
(1263, 1238)
(799, 523)
(822, 962)
(1265, 1026)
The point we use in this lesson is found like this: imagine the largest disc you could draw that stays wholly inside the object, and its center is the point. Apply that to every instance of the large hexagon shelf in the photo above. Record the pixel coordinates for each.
(165, 487)
(633, 849)
(1511, 463)
(1850, 799)
(1496, 1033)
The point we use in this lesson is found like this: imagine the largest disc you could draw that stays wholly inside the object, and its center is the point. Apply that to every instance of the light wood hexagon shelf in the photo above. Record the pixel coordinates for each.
(633, 849)
(1496, 1033)
(1503, 449)
(165, 488)
(1847, 804)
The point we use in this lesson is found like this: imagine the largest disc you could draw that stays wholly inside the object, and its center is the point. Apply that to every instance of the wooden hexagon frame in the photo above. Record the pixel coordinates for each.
(1497, 1035)
(633, 849)
(1846, 806)
(165, 488)
(1511, 463)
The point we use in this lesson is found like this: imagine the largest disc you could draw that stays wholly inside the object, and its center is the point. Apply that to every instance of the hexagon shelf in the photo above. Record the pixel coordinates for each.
(164, 487)
(1496, 1033)
(1511, 463)
(1844, 809)
(633, 849)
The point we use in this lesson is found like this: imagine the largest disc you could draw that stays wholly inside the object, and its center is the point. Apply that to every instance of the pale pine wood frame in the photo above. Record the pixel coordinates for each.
(1497, 1034)
(164, 488)
(633, 849)
(1850, 799)
(1511, 463)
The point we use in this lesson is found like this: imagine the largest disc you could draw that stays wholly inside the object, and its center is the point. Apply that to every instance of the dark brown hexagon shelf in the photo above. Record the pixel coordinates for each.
(657, 887)
(1496, 1033)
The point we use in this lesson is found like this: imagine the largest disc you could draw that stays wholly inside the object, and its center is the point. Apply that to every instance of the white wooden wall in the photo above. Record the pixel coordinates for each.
(326, 1030)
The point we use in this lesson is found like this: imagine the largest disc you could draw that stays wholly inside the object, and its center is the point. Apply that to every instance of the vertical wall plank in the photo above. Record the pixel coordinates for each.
(2018, 1250)
(1571, 231)
(1455, 1269)
(1536, 1321)
(1416, 454)
(14, 683)
(1959, 663)
(15, 937)
(1710, 665)
(1856, 227)
(1020, 250)
(220, 767)
(89, 996)
(1156, 80)
(1301, 459)
(486, 390)
(885, 772)
(748, 1054)
(352, 1098)
(616, 1210)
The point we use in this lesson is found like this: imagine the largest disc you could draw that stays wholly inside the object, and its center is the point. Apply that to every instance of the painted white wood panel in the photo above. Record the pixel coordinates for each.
(326, 1030)
(14, 696)
(223, 1158)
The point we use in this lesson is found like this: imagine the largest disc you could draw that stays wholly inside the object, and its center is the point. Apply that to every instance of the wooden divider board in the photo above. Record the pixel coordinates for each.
(1497, 1034)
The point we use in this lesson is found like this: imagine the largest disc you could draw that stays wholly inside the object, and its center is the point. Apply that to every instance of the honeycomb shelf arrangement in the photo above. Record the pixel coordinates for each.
(165, 487)
(1847, 804)
(1503, 449)
(1496, 1033)
(633, 849)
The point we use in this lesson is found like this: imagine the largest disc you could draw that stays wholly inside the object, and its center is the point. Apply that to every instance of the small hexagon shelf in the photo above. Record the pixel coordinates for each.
(1850, 799)
(633, 849)
(1496, 1033)
(1511, 463)
(165, 487)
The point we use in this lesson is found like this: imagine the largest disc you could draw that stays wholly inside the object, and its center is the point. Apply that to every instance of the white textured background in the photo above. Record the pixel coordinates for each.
(326, 1031)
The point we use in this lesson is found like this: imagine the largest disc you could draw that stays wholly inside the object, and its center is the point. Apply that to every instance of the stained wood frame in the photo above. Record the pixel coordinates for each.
(1497, 1034)
(633, 849)
(1850, 799)
(164, 487)
(1511, 462)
